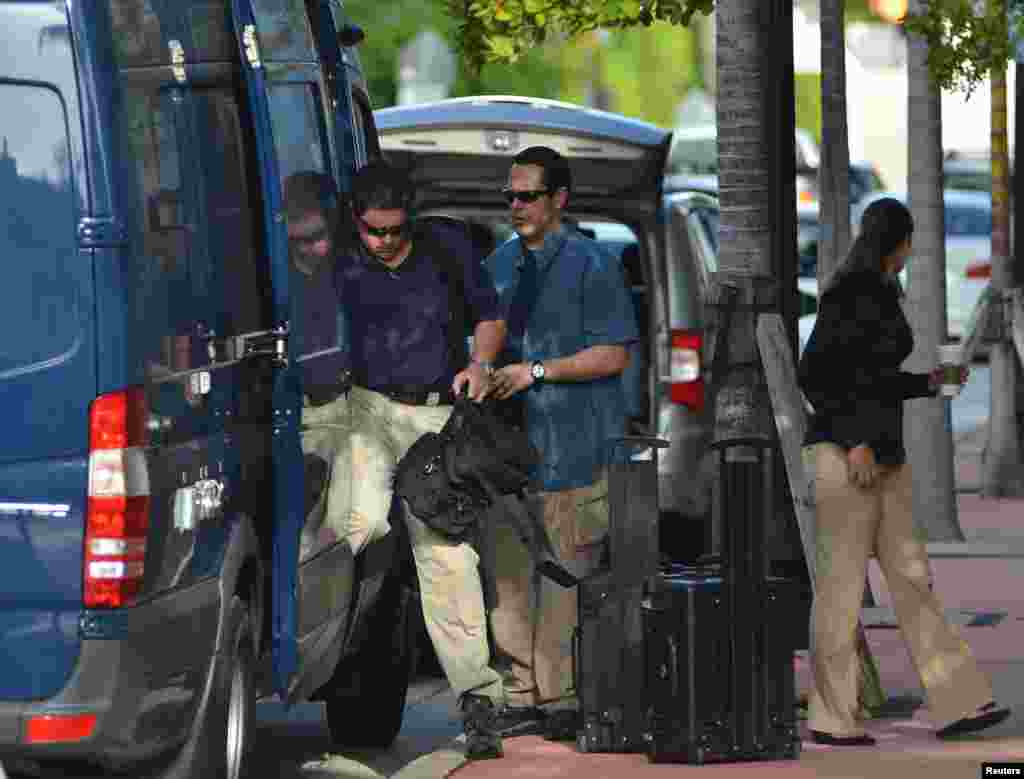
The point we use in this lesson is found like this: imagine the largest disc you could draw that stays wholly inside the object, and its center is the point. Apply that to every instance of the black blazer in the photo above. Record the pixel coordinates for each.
(850, 368)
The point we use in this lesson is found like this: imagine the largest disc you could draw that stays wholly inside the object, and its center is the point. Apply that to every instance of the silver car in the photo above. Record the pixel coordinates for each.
(459, 152)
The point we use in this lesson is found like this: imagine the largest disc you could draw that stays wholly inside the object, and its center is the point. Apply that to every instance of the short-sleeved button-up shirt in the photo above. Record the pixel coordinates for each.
(583, 302)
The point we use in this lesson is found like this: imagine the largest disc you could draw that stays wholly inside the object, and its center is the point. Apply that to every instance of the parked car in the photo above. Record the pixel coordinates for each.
(151, 477)
(459, 152)
(968, 217)
(969, 171)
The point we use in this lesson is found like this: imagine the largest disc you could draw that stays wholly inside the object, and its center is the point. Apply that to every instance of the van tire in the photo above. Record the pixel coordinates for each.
(219, 743)
(366, 694)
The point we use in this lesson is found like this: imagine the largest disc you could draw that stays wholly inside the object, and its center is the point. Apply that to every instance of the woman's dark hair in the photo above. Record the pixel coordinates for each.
(885, 224)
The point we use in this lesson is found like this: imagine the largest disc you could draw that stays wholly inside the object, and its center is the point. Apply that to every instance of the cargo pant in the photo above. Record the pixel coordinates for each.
(852, 525)
(533, 621)
(382, 431)
(325, 433)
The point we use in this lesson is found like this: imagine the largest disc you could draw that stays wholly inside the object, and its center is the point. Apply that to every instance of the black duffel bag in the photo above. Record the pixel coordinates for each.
(449, 479)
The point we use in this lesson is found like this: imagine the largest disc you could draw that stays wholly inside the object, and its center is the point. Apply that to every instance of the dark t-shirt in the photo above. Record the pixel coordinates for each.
(398, 318)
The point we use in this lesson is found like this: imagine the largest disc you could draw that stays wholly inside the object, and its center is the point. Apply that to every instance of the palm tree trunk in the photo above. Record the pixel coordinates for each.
(740, 400)
(834, 174)
(1002, 474)
(927, 426)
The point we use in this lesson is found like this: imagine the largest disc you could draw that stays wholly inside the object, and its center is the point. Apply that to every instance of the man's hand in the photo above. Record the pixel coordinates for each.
(863, 468)
(480, 383)
(511, 379)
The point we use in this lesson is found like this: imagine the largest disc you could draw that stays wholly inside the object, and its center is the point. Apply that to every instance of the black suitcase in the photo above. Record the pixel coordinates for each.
(719, 640)
(608, 643)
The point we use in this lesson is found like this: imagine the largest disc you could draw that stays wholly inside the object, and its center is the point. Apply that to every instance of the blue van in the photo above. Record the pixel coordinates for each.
(152, 485)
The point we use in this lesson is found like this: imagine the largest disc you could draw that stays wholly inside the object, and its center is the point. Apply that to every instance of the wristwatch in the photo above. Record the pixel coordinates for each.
(537, 371)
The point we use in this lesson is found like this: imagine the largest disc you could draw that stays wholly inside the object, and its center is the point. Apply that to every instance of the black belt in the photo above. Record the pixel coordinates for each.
(322, 394)
(417, 394)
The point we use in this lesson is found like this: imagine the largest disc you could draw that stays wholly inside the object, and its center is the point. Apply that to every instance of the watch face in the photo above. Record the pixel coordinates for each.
(538, 370)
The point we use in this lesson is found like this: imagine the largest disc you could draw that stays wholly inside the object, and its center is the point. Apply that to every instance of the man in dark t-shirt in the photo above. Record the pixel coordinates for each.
(394, 283)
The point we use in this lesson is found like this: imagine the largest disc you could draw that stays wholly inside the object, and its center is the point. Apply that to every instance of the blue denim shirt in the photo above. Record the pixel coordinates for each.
(583, 302)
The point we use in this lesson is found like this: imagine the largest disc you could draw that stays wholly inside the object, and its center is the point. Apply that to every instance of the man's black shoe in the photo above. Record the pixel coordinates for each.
(863, 740)
(520, 721)
(479, 715)
(987, 716)
(563, 725)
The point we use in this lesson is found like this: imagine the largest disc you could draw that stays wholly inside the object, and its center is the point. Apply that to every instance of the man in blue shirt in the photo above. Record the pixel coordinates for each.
(570, 326)
(394, 288)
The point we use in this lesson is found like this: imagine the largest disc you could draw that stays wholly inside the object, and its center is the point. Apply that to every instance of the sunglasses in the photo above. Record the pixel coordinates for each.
(523, 196)
(396, 231)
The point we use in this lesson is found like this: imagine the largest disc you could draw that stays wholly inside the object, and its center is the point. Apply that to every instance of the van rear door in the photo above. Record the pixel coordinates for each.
(47, 354)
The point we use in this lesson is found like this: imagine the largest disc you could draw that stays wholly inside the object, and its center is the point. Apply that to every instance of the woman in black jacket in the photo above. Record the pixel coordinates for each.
(850, 373)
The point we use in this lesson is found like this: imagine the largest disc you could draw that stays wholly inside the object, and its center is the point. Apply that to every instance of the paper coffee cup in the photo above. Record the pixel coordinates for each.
(950, 361)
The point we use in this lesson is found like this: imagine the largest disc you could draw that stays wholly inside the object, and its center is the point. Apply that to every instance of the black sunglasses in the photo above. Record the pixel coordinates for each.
(523, 196)
(383, 232)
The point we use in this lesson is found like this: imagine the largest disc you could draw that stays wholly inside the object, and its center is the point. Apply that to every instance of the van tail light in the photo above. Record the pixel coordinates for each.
(59, 728)
(686, 385)
(118, 514)
(979, 269)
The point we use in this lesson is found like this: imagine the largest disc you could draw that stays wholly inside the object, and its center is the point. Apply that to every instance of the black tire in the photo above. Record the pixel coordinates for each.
(219, 743)
(366, 694)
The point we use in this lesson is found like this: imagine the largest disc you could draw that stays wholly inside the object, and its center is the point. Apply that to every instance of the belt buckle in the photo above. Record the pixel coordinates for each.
(433, 398)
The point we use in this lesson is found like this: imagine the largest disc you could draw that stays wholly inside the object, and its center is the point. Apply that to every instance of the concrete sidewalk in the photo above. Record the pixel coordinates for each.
(982, 587)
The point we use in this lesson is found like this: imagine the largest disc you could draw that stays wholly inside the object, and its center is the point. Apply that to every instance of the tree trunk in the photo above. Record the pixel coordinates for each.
(834, 173)
(1001, 474)
(927, 425)
(740, 399)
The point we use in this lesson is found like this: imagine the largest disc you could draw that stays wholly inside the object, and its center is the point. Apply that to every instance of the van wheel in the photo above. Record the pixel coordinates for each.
(219, 743)
(366, 695)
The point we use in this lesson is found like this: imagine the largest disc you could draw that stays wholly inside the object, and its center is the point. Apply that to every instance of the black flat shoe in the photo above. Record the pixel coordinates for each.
(863, 740)
(987, 716)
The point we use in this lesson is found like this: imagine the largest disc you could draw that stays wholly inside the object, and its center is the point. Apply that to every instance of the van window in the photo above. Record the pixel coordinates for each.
(193, 201)
(298, 133)
(142, 31)
(300, 140)
(40, 313)
(284, 30)
(367, 143)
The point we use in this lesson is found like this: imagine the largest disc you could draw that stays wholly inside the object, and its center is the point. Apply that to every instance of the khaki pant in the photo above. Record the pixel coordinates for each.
(325, 433)
(853, 524)
(382, 431)
(533, 621)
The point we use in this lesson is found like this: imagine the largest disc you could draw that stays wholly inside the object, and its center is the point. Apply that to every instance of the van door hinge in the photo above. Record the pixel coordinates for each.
(101, 231)
(177, 60)
(252, 45)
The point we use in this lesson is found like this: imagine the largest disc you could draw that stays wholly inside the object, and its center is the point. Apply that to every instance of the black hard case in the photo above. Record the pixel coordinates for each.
(719, 639)
(710, 698)
(608, 642)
